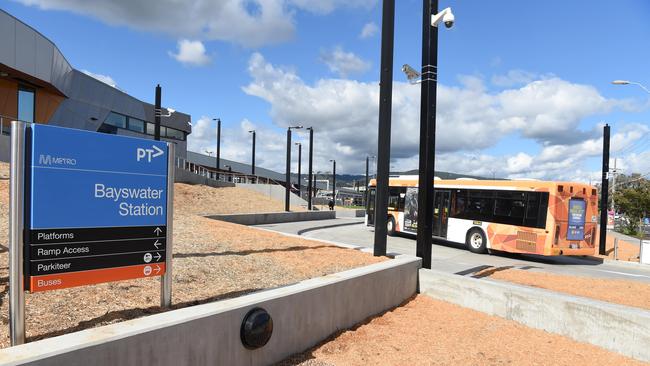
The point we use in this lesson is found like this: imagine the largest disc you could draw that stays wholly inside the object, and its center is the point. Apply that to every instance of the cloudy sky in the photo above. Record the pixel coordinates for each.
(524, 87)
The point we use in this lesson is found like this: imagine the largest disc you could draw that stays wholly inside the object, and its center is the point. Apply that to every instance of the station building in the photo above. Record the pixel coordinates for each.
(38, 85)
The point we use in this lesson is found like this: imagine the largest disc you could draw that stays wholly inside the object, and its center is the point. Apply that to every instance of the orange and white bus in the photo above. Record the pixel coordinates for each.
(518, 216)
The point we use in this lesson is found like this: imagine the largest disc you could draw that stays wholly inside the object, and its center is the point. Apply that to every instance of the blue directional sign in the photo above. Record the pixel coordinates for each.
(97, 207)
(86, 179)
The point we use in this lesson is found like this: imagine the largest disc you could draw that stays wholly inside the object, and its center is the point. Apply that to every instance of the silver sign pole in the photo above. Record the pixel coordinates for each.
(16, 226)
(166, 279)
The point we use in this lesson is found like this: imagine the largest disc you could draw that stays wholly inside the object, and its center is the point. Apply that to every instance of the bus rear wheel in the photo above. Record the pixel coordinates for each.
(476, 241)
(390, 226)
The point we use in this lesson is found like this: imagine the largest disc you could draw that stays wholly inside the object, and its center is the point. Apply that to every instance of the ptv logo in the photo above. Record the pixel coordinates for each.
(148, 154)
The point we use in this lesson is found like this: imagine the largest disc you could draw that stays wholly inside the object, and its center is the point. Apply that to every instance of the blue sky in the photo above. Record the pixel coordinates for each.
(524, 86)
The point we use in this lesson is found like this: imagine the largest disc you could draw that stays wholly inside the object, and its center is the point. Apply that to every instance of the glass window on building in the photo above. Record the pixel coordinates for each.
(175, 134)
(136, 125)
(26, 104)
(151, 129)
(116, 120)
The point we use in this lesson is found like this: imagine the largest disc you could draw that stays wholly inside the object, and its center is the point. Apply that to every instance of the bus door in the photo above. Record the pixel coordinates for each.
(370, 206)
(441, 208)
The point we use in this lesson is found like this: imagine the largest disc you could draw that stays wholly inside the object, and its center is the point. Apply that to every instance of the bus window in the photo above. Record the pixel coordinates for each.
(370, 206)
(396, 198)
(536, 208)
(510, 207)
(459, 203)
(480, 205)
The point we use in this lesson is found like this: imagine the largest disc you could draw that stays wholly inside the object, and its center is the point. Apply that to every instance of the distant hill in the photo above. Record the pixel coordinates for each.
(349, 179)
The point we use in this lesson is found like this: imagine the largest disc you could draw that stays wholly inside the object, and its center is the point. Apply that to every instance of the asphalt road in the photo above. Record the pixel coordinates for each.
(454, 258)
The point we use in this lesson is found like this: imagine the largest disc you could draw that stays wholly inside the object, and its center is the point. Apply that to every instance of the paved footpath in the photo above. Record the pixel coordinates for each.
(454, 258)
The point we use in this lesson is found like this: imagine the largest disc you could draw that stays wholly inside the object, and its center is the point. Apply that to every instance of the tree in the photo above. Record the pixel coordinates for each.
(634, 202)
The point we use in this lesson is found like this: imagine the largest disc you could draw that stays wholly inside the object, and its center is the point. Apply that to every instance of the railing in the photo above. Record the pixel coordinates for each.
(221, 176)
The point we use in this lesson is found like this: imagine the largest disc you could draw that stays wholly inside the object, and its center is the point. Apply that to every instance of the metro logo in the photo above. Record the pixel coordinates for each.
(149, 154)
(53, 160)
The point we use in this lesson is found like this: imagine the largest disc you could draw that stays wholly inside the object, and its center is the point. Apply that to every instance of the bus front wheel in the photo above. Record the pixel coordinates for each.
(390, 226)
(476, 241)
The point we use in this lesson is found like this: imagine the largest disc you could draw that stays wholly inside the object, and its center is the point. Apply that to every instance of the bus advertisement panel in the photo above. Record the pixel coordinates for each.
(576, 230)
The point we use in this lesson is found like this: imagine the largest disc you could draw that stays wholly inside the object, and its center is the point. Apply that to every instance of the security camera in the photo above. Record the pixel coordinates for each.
(448, 19)
(411, 73)
(445, 16)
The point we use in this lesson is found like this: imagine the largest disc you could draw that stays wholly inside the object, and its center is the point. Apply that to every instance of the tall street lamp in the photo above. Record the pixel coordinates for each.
(253, 156)
(383, 133)
(287, 184)
(334, 181)
(368, 169)
(428, 92)
(158, 113)
(310, 189)
(229, 171)
(627, 82)
(218, 120)
(299, 165)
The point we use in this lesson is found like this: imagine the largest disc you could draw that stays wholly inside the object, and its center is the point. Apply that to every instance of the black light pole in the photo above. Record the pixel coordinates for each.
(253, 159)
(229, 171)
(334, 181)
(367, 165)
(427, 133)
(604, 193)
(383, 139)
(218, 120)
(310, 190)
(287, 184)
(157, 113)
(299, 167)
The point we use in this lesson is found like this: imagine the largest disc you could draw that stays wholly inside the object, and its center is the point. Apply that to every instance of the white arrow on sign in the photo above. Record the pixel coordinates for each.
(157, 231)
(158, 151)
(157, 269)
(158, 256)
(157, 244)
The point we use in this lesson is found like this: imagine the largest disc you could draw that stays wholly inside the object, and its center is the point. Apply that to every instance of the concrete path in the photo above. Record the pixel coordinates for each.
(454, 258)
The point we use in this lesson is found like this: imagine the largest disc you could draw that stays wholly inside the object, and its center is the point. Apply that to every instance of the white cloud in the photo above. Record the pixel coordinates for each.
(103, 78)
(343, 63)
(191, 53)
(270, 149)
(251, 23)
(344, 113)
(368, 30)
(514, 78)
(327, 6)
(550, 110)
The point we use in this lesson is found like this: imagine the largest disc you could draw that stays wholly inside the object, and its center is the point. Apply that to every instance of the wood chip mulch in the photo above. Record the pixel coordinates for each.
(213, 260)
(424, 331)
(630, 293)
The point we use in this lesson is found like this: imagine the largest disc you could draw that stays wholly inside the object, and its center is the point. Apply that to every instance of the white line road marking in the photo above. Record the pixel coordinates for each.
(623, 273)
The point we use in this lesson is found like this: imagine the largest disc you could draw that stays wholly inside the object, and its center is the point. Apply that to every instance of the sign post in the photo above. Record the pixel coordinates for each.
(93, 208)
(166, 278)
(16, 243)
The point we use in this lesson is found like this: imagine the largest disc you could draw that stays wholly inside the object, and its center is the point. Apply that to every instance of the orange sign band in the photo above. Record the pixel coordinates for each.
(72, 279)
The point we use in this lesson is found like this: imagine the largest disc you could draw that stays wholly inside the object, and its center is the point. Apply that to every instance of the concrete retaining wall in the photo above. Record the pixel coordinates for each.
(184, 176)
(350, 213)
(303, 315)
(619, 328)
(275, 192)
(275, 217)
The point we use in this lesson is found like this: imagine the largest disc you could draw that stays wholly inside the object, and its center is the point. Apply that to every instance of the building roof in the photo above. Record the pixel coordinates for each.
(29, 56)
(211, 161)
